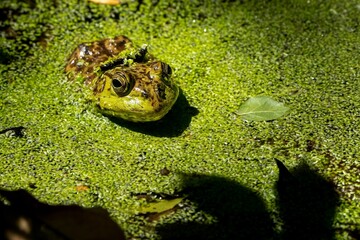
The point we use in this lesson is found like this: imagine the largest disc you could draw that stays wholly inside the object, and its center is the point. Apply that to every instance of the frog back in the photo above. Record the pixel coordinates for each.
(86, 59)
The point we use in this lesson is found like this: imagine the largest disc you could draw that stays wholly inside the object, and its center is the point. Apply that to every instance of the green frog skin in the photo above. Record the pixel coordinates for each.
(124, 81)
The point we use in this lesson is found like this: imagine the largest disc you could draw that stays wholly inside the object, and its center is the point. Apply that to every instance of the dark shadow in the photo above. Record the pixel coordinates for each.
(173, 124)
(240, 212)
(14, 131)
(5, 57)
(24, 217)
(355, 234)
(307, 203)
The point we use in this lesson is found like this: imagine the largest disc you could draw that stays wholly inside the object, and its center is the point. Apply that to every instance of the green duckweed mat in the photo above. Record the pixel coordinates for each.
(305, 54)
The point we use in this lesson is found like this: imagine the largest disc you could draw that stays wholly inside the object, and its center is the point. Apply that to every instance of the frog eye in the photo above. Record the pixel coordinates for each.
(156, 66)
(163, 67)
(166, 69)
(122, 84)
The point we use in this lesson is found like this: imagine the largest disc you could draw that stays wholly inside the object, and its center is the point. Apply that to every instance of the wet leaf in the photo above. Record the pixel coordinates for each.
(81, 188)
(262, 108)
(160, 205)
(107, 2)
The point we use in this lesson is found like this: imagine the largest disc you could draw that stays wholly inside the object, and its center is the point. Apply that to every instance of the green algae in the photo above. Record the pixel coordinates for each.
(302, 53)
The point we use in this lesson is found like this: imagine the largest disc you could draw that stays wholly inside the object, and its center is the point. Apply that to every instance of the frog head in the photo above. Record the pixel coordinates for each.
(138, 92)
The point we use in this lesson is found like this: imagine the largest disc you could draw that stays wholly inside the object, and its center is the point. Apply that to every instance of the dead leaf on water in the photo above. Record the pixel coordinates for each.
(159, 205)
(81, 188)
(107, 2)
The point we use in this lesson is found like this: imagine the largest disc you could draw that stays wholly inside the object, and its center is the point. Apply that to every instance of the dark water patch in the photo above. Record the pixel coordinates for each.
(13, 131)
(307, 203)
(27, 218)
(240, 212)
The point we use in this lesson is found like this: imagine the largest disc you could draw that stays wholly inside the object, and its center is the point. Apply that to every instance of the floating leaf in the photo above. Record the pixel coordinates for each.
(262, 108)
(107, 2)
(81, 188)
(160, 206)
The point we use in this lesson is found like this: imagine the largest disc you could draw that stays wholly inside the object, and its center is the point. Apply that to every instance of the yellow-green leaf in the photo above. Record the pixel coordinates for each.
(160, 206)
(262, 108)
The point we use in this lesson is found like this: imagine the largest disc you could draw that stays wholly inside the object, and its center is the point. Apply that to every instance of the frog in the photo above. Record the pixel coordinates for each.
(124, 81)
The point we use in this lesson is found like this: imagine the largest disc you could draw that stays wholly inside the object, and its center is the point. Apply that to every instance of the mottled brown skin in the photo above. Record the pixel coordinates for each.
(126, 82)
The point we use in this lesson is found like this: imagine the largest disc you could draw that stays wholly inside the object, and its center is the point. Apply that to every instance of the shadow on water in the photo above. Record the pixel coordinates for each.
(305, 200)
(307, 203)
(25, 218)
(5, 58)
(240, 212)
(172, 124)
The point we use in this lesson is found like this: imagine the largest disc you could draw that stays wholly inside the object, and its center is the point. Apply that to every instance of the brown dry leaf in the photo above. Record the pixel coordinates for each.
(81, 188)
(107, 2)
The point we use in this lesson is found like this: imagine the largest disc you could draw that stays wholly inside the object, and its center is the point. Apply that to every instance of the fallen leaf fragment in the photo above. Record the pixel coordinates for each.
(160, 206)
(107, 2)
(81, 188)
(262, 108)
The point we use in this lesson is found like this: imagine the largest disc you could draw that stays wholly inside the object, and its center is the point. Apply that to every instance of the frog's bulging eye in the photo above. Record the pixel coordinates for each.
(122, 84)
(166, 73)
(156, 66)
(162, 67)
(166, 69)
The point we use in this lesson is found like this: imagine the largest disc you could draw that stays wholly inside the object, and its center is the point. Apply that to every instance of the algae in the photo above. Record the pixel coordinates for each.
(302, 53)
